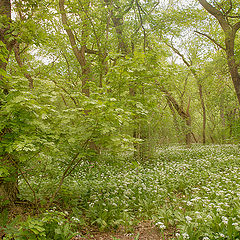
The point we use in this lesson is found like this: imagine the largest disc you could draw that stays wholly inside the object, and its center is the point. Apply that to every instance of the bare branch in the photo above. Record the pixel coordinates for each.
(73, 99)
(91, 51)
(170, 98)
(179, 54)
(211, 39)
(230, 16)
(141, 21)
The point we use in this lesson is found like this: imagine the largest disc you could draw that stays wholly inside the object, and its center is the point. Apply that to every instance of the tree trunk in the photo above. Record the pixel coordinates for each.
(124, 48)
(185, 115)
(203, 111)
(8, 182)
(233, 67)
(200, 91)
(20, 64)
(80, 54)
(178, 130)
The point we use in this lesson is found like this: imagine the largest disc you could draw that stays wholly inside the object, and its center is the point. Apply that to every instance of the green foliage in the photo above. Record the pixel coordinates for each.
(193, 190)
(52, 225)
(101, 152)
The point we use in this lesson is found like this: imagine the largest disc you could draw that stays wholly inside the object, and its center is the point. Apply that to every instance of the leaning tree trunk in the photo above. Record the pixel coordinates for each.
(8, 180)
(184, 114)
(200, 91)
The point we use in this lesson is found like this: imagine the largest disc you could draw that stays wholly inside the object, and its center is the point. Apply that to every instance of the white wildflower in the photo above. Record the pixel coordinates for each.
(185, 236)
(189, 203)
(160, 225)
(206, 238)
(178, 234)
(225, 220)
(75, 219)
(60, 223)
(189, 219)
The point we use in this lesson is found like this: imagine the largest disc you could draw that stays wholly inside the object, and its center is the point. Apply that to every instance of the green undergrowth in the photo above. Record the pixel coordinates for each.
(195, 191)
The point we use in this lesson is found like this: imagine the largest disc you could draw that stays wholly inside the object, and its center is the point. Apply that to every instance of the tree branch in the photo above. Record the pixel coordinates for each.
(217, 14)
(73, 99)
(236, 27)
(211, 39)
(179, 109)
(20, 64)
(230, 8)
(141, 22)
(79, 54)
(179, 54)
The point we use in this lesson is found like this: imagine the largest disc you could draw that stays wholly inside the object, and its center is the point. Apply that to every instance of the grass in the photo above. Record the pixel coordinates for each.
(195, 191)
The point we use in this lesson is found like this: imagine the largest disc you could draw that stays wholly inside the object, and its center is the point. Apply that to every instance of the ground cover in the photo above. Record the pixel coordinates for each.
(182, 193)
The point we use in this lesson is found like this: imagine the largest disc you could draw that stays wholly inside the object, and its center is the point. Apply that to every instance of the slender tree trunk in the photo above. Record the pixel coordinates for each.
(8, 184)
(20, 64)
(117, 20)
(178, 130)
(204, 113)
(124, 49)
(80, 54)
(189, 125)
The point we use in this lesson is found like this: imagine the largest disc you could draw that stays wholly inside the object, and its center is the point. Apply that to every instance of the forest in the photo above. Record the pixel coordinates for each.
(119, 119)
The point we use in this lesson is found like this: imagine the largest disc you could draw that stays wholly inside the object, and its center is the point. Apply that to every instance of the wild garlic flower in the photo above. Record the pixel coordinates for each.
(185, 236)
(225, 220)
(189, 219)
(206, 238)
(160, 225)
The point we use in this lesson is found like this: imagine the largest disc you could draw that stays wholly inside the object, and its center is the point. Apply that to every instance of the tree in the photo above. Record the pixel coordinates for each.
(228, 20)
(200, 89)
(8, 169)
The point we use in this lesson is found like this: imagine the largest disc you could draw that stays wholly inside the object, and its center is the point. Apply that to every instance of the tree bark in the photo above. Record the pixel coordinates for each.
(80, 54)
(204, 113)
(124, 49)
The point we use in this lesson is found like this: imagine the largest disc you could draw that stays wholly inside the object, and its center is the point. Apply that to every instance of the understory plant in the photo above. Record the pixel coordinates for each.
(51, 225)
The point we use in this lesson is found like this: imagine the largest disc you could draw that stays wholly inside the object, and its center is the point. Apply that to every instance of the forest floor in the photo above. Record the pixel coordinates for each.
(145, 230)
(182, 193)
